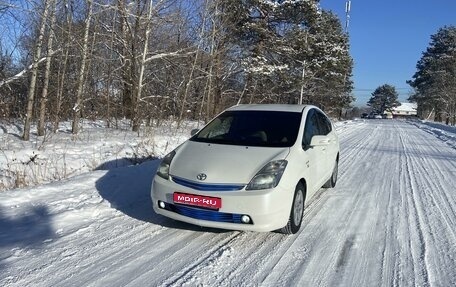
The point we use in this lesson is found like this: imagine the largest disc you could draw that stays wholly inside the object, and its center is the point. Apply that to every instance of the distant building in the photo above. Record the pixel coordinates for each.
(405, 110)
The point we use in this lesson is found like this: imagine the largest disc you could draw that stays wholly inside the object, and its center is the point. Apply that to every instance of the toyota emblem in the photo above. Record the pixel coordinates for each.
(201, 176)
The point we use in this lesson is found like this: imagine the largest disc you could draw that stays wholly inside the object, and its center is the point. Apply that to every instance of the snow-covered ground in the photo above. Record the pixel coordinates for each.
(390, 221)
(62, 155)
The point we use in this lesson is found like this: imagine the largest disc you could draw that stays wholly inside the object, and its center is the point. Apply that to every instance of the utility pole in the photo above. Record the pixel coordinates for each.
(303, 75)
(347, 15)
(302, 80)
(347, 23)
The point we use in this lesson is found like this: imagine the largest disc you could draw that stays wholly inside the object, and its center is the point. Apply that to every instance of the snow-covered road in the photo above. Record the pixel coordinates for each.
(390, 221)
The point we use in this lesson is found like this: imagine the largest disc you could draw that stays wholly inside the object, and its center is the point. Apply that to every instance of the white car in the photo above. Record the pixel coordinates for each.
(251, 168)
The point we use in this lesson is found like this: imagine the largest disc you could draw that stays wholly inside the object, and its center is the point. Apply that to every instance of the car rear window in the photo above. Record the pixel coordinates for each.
(252, 128)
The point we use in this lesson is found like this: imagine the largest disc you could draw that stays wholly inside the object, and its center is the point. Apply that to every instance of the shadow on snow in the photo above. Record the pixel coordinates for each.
(128, 189)
(29, 231)
(125, 161)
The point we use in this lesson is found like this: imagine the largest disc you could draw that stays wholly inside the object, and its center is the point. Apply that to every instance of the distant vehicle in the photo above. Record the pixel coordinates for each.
(373, 115)
(364, 115)
(251, 168)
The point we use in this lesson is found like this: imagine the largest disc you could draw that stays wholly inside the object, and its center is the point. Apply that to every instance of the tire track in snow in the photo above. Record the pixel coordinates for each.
(297, 246)
(211, 254)
(405, 219)
(389, 258)
(170, 256)
(361, 226)
(351, 145)
(416, 218)
(232, 264)
(434, 206)
(81, 256)
(433, 168)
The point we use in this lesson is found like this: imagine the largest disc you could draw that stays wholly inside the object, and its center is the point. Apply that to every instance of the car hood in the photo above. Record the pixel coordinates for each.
(222, 163)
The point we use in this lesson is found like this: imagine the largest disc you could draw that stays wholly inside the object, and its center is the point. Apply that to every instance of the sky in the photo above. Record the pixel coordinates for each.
(387, 39)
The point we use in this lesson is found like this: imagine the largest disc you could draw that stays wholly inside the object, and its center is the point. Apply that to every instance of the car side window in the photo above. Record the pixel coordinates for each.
(324, 124)
(311, 128)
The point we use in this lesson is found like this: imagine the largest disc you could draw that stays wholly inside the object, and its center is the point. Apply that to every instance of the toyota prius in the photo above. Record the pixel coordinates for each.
(252, 167)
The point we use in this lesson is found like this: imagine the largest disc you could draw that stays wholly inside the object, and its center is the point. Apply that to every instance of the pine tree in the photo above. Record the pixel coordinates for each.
(332, 63)
(384, 98)
(435, 79)
(292, 52)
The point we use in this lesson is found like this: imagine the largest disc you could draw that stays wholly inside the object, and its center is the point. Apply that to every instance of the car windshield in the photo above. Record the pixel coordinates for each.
(252, 128)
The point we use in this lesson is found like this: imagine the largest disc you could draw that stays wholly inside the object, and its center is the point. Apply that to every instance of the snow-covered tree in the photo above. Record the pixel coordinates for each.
(435, 79)
(292, 52)
(384, 98)
(331, 62)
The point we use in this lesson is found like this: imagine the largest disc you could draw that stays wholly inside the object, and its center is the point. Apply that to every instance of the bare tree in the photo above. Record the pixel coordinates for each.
(142, 66)
(194, 65)
(44, 94)
(63, 63)
(34, 70)
(85, 51)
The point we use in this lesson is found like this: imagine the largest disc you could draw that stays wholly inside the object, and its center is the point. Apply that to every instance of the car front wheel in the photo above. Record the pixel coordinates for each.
(297, 211)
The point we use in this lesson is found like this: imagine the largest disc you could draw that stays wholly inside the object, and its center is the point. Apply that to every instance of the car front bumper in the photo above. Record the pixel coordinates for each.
(268, 209)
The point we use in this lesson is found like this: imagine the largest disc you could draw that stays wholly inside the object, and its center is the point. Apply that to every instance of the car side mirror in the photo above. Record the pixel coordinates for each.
(320, 141)
(194, 131)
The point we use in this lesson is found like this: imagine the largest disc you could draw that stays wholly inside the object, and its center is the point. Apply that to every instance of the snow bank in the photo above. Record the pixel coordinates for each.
(60, 155)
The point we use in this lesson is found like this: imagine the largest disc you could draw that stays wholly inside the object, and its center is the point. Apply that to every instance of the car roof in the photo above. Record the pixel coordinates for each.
(268, 107)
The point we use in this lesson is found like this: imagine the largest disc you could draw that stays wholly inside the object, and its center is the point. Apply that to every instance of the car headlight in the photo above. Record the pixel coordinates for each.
(163, 168)
(269, 176)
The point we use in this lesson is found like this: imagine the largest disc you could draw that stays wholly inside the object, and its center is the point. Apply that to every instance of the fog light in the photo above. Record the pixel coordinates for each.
(245, 219)
(161, 204)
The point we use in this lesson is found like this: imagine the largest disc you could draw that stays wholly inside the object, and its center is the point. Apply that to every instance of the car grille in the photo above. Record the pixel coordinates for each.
(206, 186)
(204, 214)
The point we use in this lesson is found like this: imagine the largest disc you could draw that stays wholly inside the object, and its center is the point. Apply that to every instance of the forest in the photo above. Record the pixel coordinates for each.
(149, 61)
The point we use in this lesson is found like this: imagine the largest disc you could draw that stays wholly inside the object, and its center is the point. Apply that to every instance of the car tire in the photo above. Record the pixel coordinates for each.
(333, 179)
(297, 211)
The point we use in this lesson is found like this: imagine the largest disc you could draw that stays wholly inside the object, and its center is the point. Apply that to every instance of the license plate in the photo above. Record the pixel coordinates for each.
(197, 200)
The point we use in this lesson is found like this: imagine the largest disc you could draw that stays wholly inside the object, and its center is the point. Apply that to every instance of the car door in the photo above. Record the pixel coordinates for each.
(312, 154)
(324, 130)
(329, 152)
